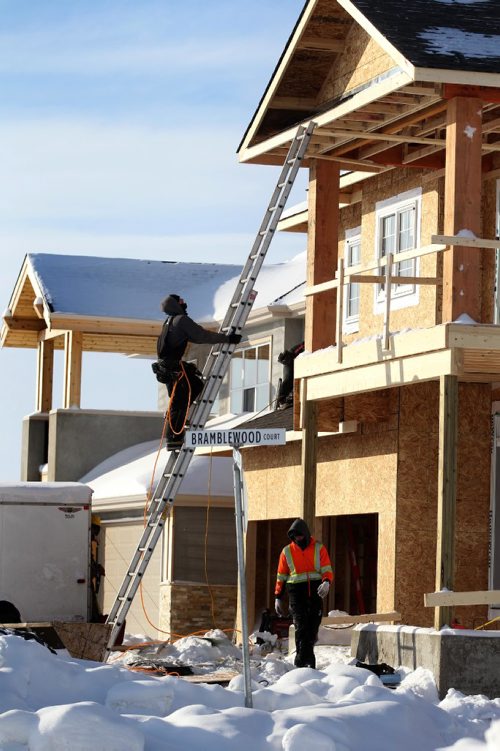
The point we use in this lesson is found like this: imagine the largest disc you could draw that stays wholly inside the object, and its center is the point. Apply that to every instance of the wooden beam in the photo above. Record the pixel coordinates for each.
(450, 599)
(309, 461)
(484, 93)
(292, 103)
(462, 210)
(349, 164)
(72, 369)
(383, 137)
(45, 375)
(322, 252)
(447, 492)
(320, 44)
(366, 618)
(468, 242)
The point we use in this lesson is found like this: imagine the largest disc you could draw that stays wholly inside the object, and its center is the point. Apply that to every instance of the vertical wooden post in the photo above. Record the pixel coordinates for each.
(72, 369)
(462, 210)
(45, 375)
(320, 329)
(340, 308)
(309, 451)
(322, 252)
(447, 492)
(387, 308)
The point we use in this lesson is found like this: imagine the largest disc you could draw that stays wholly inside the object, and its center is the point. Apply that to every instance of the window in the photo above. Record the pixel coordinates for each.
(352, 256)
(250, 379)
(398, 221)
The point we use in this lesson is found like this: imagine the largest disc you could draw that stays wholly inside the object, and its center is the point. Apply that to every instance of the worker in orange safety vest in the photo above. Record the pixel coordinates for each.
(305, 570)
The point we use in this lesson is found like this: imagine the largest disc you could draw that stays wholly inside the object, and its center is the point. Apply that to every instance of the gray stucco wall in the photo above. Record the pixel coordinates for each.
(81, 439)
(34, 444)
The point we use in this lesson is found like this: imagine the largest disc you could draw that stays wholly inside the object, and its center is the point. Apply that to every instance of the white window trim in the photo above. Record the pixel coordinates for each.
(350, 323)
(408, 296)
(254, 345)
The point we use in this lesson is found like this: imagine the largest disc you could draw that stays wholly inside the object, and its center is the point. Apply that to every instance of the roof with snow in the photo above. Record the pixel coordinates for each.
(126, 287)
(453, 34)
(126, 477)
(115, 302)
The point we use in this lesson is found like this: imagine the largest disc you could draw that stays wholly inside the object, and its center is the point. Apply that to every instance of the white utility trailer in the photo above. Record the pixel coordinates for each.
(45, 549)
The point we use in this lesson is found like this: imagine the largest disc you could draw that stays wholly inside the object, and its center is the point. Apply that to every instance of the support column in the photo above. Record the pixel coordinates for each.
(320, 324)
(447, 492)
(462, 210)
(322, 253)
(72, 369)
(309, 459)
(45, 375)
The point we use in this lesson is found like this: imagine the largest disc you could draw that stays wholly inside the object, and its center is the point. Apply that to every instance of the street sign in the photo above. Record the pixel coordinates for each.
(236, 437)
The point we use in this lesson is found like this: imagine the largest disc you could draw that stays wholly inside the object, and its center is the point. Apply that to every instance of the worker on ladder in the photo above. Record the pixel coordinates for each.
(305, 568)
(182, 379)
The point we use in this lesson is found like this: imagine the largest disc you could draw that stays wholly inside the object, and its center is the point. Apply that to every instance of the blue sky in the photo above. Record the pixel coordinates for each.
(119, 123)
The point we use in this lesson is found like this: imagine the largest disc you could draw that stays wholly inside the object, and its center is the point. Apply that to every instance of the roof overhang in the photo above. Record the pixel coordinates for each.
(395, 118)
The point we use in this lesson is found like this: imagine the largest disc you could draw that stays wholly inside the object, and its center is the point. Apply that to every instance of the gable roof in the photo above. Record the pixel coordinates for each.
(126, 287)
(362, 64)
(115, 302)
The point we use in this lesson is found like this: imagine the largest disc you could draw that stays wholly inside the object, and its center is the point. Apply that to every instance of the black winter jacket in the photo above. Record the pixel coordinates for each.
(179, 329)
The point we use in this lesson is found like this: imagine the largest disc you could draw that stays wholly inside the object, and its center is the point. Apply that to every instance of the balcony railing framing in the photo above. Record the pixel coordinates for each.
(360, 274)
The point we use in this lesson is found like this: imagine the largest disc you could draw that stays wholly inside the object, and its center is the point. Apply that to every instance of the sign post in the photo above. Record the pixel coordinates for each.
(237, 438)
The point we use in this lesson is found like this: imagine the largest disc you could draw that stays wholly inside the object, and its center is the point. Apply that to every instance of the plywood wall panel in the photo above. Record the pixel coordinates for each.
(362, 59)
(273, 477)
(417, 501)
(473, 493)
(356, 474)
(489, 229)
(382, 187)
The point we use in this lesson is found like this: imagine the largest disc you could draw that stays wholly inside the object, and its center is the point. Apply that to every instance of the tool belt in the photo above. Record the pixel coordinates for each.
(165, 370)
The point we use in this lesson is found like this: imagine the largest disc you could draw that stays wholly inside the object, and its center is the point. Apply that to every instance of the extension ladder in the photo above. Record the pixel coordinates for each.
(214, 371)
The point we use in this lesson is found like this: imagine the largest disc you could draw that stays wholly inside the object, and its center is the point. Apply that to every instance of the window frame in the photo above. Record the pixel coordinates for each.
(352, 239)
(402, 295)
(232, 388)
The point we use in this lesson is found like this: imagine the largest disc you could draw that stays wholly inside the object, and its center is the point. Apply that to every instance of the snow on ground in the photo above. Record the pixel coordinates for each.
(51, 702)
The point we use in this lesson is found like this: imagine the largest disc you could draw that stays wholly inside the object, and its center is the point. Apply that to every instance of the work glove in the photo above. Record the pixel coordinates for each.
(324, 588)
(234, 338)
(280, 610)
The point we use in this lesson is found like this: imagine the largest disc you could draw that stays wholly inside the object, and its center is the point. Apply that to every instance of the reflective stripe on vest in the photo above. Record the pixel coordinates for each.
(294, 577)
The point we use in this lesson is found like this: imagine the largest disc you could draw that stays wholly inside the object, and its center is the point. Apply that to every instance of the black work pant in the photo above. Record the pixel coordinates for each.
(183, 388)
(306, 608)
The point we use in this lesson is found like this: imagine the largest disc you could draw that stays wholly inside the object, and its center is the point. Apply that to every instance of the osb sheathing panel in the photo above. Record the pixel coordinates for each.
(361, 60)
(356, 474)
(378, 189)
(417, 489)
(488, 220)
(473, 494)
(273, 477)
(416, 501)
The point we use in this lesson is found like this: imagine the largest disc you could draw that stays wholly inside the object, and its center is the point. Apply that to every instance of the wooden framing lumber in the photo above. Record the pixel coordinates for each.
(320, 44)
(461, 266)
(453, 599)
(365, 618)
(389, 137)
(447, 492)
(322, 252)
(467, 242)
(309, 461)
(357, 101)
(45, 375)
(72, 369)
